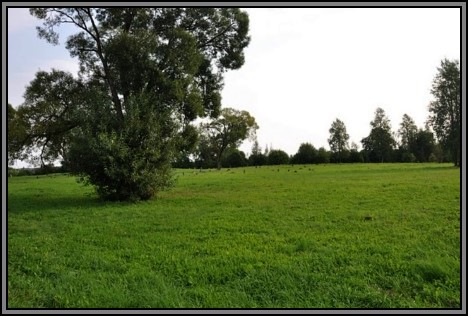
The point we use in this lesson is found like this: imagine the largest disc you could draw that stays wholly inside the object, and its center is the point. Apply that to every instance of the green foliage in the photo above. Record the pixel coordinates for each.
(408, 157)
(422, 145)
(234, 158)
(259, 239)
(256, 158)
(145, 74)
(16, 132)
(323, 156)
(338, 138)
(52, 109)
(277, 157)
(445, 110)
(407, 132)
(131, 165)
(306, 154)
(440, 154)
(204, 153)
(416, 145)
(228, 130)
(355, 156)
(379, 144)
(432, 158)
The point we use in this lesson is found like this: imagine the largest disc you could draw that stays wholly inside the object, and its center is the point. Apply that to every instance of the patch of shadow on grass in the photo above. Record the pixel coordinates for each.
(429, 272)
(439, 167)
(53, 203)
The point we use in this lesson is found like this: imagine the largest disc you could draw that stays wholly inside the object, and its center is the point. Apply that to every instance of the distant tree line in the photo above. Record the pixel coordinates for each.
(409, 144)
(45, 169)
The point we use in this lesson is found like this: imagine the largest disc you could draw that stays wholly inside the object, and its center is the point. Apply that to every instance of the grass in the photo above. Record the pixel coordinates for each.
(315, 236)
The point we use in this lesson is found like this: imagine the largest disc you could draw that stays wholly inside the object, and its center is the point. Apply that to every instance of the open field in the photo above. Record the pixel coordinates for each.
(316, 236)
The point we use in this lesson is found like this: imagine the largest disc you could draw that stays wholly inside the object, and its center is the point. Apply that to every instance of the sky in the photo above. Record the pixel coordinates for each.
(304, 68)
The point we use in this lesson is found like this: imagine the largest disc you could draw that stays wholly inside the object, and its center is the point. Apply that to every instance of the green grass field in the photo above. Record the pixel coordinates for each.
(318, 236)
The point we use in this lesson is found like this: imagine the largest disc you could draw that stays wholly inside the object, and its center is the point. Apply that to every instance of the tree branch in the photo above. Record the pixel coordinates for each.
(216, 36)
(110, 81)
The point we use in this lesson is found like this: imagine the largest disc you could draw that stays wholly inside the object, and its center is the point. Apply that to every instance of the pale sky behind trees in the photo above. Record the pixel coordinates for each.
(304, 67)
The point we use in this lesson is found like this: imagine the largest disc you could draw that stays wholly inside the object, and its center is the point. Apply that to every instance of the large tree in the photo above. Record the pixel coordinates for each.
(145, 74)
(380, 142)
(338, 140)
(445, 110)
(228, 130)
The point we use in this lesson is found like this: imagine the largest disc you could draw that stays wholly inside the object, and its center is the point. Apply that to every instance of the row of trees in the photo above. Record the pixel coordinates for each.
(221, 137)
(219, 141)
(420, 144)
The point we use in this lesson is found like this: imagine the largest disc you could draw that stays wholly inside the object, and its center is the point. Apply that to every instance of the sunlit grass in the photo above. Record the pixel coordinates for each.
(315, 236)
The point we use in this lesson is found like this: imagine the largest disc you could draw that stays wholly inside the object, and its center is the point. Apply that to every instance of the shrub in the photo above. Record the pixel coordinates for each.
(278, 157)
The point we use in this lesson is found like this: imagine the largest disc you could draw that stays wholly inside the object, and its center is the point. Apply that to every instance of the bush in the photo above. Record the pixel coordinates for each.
(323, 156)
(408, 157)
(432, 158)
(278, 157)
(258, 160)
(355, 156)
(131, 164)
(234, 158)
(306, 154)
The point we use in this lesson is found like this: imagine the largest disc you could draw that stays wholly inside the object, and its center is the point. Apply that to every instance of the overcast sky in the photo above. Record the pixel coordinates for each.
(304, 67)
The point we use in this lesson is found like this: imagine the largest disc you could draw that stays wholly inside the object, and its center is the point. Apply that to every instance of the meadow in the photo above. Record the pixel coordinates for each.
(314, 236)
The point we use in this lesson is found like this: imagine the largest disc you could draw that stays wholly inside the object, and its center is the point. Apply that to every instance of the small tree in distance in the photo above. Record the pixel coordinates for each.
(228, 130)
(379, 144)
(257, 158)
(338, 140)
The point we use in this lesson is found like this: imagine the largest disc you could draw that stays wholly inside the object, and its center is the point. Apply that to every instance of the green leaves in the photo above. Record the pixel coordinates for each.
(379, 144)
(338, 137)
(145, 74)
(445, 109)
(230, 129)
(407, 131)
(48, 115)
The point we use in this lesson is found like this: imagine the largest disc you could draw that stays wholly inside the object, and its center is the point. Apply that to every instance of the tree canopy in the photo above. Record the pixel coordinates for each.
(228, 130)
(306, 154)
(445, 110)
(145, 74)
(407, 131)
(277, 157)
(338, 140)
(379, 144)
